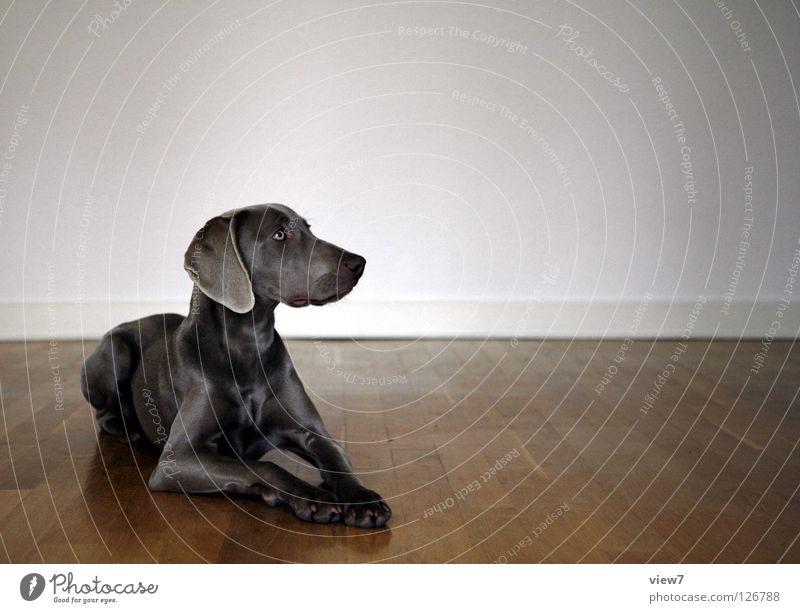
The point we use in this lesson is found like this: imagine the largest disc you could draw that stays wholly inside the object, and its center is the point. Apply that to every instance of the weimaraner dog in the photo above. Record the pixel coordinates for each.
(216, 390)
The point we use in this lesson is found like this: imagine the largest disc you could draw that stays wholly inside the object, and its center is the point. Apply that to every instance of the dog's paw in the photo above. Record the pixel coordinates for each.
(364, 508)
(317, 506)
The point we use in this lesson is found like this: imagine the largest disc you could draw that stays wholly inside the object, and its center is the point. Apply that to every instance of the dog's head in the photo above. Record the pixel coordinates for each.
(268, 252)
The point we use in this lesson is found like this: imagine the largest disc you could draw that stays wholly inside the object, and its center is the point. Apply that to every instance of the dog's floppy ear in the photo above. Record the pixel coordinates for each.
(215, 264)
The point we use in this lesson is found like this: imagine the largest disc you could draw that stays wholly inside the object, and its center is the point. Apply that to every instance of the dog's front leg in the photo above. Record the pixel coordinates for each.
(188, 464)
(362, 507)
(294, 414)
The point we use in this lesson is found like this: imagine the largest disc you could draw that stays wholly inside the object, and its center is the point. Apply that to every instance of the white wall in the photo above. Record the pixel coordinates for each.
(476, 162)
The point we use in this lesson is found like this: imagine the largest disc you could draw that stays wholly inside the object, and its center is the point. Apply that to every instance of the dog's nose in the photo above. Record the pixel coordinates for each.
(355, 264)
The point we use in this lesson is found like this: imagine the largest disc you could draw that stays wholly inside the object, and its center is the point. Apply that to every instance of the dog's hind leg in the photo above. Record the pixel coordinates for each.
(106, 384)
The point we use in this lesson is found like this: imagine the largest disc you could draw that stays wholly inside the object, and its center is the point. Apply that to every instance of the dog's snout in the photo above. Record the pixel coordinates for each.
(354, 263)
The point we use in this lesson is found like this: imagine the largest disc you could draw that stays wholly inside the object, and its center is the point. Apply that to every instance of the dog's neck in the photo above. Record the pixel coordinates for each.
(252, 332)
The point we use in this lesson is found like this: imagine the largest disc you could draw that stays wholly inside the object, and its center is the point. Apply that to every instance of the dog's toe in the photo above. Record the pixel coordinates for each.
(366, 509)
(316, 506)
(327, 513)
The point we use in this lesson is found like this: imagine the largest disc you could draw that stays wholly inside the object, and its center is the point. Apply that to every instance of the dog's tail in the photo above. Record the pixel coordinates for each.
(106, 378)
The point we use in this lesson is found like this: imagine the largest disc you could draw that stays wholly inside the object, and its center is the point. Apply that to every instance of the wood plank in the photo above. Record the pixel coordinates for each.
(486, 450)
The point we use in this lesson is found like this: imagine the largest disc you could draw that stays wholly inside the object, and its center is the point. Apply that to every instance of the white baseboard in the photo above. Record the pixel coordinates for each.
(374, 319)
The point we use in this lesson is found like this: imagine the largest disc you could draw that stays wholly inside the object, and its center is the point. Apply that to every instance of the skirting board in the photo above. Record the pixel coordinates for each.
(419, 319)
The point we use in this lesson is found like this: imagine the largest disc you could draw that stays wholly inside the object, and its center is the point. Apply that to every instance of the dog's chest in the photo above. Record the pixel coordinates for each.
(247, 431)
(250, 397)
(257, 404)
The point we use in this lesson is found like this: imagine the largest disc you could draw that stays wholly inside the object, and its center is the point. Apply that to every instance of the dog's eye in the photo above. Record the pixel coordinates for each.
(280, 235)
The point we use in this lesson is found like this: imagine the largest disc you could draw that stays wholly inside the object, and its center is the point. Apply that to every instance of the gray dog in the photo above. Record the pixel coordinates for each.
(216, 390)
